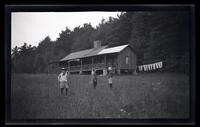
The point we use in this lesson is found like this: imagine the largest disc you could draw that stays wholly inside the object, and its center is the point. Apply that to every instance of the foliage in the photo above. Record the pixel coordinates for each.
(154, 36)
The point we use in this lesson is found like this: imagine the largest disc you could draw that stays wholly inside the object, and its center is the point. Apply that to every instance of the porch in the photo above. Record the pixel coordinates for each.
(87, 67)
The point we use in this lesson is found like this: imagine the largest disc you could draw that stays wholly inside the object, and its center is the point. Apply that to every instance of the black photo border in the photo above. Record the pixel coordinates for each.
(95, 7)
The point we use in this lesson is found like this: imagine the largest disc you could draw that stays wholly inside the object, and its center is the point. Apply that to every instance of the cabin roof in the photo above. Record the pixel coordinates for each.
(76, 55)
(112, 50)
(93, 52)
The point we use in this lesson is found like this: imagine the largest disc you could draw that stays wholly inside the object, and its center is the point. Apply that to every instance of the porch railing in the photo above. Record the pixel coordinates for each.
(87, 67)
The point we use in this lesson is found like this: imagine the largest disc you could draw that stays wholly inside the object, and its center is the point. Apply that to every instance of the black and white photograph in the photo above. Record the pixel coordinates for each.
(101, 64)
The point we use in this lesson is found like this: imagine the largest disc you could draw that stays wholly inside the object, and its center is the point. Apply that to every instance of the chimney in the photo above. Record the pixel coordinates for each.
(97, 44)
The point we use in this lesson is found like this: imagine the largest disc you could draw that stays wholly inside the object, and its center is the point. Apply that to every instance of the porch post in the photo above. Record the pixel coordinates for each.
(92, 62)
(105, 60)
(105, 69)
(81, 66)
(68, 65)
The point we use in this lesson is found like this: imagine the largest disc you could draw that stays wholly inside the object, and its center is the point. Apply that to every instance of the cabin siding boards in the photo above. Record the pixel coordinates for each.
(127, 52)
(111, 59)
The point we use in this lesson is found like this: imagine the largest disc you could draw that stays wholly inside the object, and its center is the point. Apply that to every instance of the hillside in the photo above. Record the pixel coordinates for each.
(143, 96)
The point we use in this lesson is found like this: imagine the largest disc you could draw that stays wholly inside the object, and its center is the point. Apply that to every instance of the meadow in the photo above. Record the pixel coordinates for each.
(152, 95)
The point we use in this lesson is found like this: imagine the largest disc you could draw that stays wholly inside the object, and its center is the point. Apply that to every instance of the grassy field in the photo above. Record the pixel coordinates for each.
(152, 95)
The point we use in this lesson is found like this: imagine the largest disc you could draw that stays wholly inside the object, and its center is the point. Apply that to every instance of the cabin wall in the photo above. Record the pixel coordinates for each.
(132, 59)
(111, 60)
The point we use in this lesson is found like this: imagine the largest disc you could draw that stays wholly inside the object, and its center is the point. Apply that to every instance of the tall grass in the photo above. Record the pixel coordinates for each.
(142, 96)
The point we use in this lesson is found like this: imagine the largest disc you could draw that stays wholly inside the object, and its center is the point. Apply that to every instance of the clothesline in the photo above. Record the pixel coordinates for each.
(153, 66)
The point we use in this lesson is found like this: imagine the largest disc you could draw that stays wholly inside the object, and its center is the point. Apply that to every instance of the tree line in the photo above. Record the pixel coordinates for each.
(153, 35)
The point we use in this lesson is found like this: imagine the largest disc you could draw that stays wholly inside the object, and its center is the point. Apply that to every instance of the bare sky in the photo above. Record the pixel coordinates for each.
(32, 27)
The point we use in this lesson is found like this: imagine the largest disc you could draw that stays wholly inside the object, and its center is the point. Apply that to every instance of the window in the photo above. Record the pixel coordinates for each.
(126, 59)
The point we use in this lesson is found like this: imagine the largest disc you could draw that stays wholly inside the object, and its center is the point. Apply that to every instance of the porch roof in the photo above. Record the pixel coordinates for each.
(76, 55)
(93, 52)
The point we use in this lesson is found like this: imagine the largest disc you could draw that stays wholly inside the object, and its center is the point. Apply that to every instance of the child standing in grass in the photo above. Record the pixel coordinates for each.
(63, 80)
(94, 78)
(110, 75)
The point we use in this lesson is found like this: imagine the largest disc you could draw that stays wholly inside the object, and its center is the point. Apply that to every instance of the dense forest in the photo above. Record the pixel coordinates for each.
(154, 36)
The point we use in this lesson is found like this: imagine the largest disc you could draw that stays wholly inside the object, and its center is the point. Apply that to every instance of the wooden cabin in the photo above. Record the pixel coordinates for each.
(121, 58)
